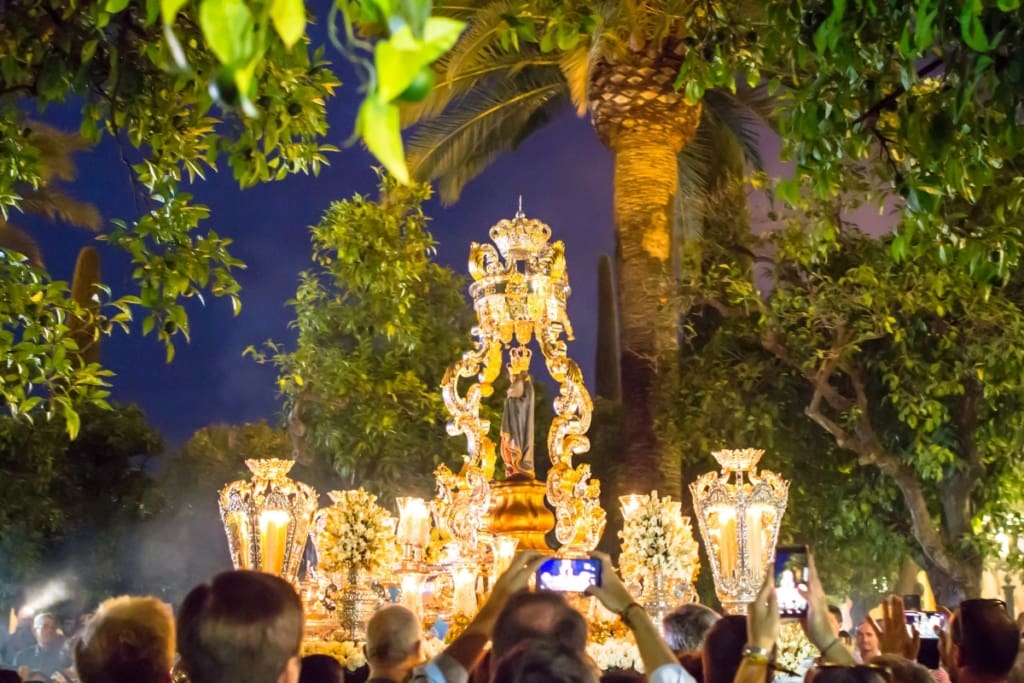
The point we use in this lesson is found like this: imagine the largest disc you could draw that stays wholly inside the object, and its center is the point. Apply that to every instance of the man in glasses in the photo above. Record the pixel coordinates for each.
(982, 642)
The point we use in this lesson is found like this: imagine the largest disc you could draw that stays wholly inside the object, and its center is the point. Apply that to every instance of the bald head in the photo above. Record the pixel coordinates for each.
(393, 635)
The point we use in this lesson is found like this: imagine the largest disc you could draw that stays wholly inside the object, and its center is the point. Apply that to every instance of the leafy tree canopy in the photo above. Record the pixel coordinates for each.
(909, 373)
(378, 322)
(73, 505)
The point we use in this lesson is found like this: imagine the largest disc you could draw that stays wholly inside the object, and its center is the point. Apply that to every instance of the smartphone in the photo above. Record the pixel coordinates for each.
(925, 622)
(791, 577)
(568, 575)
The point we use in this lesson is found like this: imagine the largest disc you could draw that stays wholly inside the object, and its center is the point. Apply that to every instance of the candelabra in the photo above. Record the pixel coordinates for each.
(267, 518)
(739, 511)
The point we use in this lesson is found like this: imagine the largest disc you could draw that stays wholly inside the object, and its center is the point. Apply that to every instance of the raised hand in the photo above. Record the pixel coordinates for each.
(893, 636)
(763, 616)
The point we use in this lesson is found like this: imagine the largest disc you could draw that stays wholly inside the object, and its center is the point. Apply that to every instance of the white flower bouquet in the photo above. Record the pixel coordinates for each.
(795, 652)
(656, 537)
(355, 532)
(615, 654)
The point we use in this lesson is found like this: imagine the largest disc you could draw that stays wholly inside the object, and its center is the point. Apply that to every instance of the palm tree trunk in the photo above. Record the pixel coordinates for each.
(646, 178)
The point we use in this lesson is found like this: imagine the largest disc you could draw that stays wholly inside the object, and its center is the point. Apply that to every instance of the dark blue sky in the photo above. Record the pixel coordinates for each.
(563, 173)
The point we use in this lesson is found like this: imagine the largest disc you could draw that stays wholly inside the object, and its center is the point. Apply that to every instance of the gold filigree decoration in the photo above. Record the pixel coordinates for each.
(519, 290)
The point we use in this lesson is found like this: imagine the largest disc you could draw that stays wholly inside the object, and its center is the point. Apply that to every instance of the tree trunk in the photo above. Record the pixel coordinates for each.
(950, 590)
(646, 179)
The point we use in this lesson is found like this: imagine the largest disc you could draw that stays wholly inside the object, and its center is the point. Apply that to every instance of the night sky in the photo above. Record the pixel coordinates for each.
(563, 173)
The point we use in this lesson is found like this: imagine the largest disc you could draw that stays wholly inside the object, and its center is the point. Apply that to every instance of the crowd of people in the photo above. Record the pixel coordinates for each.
(247, 627)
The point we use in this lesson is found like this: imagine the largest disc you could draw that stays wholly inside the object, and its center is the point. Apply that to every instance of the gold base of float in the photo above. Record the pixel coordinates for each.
(518, 510)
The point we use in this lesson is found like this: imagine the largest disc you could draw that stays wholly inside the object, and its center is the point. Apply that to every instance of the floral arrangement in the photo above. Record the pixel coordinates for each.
(349, 655)
(615, 654)
(657, 537)
(355, 532)
(794, 650)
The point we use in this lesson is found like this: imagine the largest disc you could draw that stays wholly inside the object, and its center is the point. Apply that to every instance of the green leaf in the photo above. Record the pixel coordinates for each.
(400, 58)
(289, 17)
(970, 27)
(380, 127)
(228, 28)
(169, 9)
(72, 420)
(115, 6)
(1008, 5)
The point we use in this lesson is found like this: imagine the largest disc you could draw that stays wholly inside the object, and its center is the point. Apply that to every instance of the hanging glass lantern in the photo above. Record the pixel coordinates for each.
(739, 511)
(267, 518)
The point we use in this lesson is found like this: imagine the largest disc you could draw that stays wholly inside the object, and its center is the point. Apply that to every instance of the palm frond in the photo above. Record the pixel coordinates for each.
(16, 239)
(457, 147)
(55, 150)
(451, 87)
(575, 66)
(744, 115)
(479, 42)
(51, 202)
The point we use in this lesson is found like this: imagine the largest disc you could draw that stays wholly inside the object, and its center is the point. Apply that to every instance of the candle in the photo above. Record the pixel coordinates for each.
(412, 592)
(464, 599)
(728, 551)
(504, 551)
(273, 540)
(413, 522)
(631, 503)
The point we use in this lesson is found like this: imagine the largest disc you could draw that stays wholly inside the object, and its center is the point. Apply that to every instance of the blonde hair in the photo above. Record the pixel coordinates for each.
(130, 639)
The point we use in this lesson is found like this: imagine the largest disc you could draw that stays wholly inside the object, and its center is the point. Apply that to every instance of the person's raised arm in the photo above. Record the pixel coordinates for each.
(817, 626)
(654, 651)
(762, 632)
(468, 648)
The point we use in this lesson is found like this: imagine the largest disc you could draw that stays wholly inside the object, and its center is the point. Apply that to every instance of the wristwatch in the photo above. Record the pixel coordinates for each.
(756, 654)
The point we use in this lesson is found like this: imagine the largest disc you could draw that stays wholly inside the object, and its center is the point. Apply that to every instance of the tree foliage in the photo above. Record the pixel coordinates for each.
(73, 506)
(115, 59)
(909, 374)
(918, 100)
(378, 322)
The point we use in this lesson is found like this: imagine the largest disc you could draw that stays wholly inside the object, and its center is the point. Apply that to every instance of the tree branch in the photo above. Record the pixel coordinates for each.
(890, 100)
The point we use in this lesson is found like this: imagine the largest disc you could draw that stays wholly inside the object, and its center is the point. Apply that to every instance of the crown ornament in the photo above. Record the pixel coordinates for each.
(519, 359)
(520, 236)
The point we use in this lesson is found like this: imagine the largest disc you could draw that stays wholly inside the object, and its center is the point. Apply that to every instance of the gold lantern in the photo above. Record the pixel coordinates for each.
(267, 518)
(739, 511)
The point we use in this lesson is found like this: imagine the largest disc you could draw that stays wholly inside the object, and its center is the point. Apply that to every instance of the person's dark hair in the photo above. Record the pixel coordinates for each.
(723, 649)
(686, 626)
(543, 661)
(321, 669)
(513, 625)
(836, 612)
(860, 673)
(242, 627)
(9, 676)
(623, 676)
(987, 637)
(691, 661)
(903, 670)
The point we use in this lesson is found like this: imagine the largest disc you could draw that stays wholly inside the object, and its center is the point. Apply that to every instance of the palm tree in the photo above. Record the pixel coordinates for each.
(492, 98)
(55, 164)
(48, 199)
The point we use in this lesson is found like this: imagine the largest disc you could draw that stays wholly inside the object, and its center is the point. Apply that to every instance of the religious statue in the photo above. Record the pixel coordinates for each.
(517, 417)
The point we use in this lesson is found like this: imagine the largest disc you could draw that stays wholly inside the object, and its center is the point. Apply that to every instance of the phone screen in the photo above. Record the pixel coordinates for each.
(568, 575)
(791, 577)
(925, 623)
